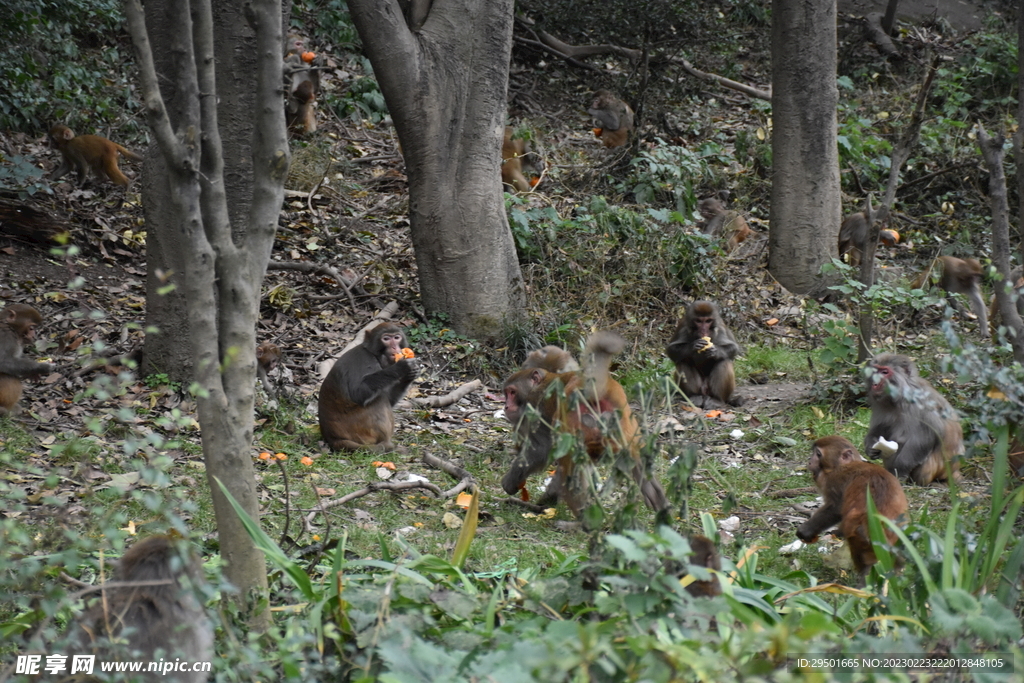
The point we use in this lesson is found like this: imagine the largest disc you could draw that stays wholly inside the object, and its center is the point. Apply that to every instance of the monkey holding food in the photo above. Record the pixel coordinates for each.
(908, 412)
(356, 398)
(615, 116)
(703, 350)
(844, 478)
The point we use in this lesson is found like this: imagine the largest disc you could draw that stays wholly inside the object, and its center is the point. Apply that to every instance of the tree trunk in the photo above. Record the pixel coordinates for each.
(222, 273)
(1018, 136)
(992, 150)
(445, 86)
(806, 209)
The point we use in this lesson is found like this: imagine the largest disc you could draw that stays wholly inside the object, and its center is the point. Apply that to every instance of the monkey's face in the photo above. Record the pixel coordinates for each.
(814, 464)
(704, 326)
(389, 345)
(518, 388)
(879, 379)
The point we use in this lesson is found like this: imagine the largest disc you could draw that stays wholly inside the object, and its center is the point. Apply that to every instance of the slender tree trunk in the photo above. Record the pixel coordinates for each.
(445, 86)
(992, 150)
(223, 268)
(806, 209)
(1018, 136)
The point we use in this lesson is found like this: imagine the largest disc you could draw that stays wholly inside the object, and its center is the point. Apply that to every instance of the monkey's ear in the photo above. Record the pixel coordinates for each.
(9, 316)
(848, 455)
(537, 376)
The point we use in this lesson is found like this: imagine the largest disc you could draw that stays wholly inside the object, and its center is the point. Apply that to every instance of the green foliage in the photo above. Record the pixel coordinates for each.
(44, 76)
(362, 100)
(668, 174)
(861, 147)
(17, 174)
(982, 80)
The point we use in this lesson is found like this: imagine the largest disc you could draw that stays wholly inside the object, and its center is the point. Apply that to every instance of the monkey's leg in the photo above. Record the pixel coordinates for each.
(722, 382)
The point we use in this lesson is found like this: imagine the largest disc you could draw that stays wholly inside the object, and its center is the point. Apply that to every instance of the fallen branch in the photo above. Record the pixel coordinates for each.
(449, 468)
(442, 401)
(792, 493)
(371, 488)
(748, 90)
(314, 268)
(576, 51)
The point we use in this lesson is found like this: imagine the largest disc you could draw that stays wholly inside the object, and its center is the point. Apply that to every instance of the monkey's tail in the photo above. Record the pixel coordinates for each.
(127, 153)
(597, 363)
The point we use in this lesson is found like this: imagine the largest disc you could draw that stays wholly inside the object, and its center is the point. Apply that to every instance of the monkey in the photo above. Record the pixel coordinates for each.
(853, 233)
(299, 112)
(615, 116)
(268, 355)
(703, 350)
(158, 620)
(906, 409)
(539, 403)
(843, 477)
(83, 153)
(959, 276)
(704, 555)
(17, 327)
(517, 156)
(356, 398)
(727, 225)
(552, 359)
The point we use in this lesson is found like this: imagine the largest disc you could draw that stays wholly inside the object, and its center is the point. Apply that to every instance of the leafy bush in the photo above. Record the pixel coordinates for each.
(43, 77)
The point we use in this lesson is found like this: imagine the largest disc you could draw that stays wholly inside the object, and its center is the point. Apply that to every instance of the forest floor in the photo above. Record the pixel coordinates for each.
(358, 217)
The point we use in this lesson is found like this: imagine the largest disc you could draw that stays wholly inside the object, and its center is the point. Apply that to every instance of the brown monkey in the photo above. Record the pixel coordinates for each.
(959, 276)
(704, 555)
(17, 327)
(268, 355)
(729, 226)
(154, 611)
(552, 359)
(853, 233)
(540, 403)
(843, 477)
(703, 350)
(906, 409)
(357, 396)
(512, 153)
(83, 153)
(299, 110)
(302, 85)
(615, 116)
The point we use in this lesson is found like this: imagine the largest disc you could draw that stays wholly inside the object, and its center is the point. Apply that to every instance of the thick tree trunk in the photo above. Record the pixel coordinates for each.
(222, 272)
(806, 208)
(445, 86)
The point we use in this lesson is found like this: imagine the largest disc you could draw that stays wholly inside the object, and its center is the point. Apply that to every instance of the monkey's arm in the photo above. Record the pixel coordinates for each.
(383, 382)
(826, 516)
(683, 350)
(23, 367)
(609, 119)
(532, 457)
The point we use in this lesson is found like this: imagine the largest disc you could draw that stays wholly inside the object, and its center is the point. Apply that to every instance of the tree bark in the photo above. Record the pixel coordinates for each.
(806, 208)
(1018, 136)
(992, 150)
(445, 87)
(222, 274)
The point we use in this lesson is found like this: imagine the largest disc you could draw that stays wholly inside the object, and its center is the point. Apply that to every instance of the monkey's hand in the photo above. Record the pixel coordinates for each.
(410, 368)
(804, 534)
(884, 447)
(704, 344)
